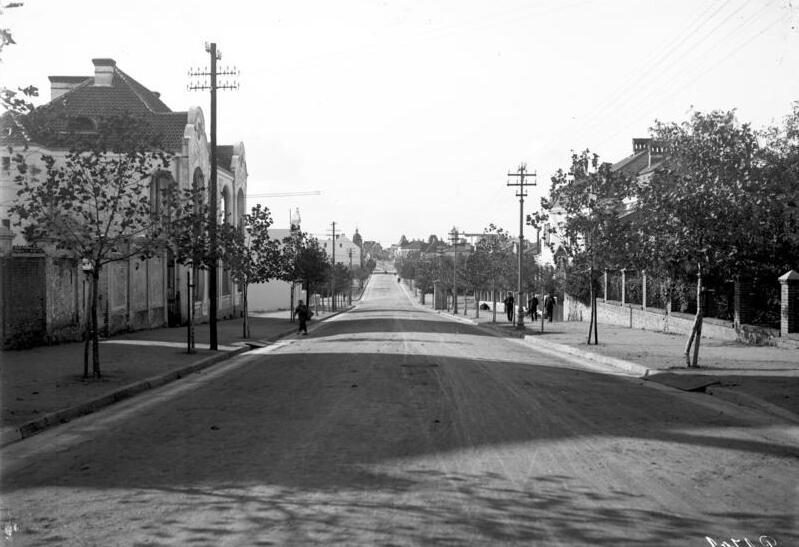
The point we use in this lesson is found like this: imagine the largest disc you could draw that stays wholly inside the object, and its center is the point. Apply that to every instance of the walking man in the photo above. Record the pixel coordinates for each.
(302, 315)
(550, 306)
(532, 307)
(509, 301)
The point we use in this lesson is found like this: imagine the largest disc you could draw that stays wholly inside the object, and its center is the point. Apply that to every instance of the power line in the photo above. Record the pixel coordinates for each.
(647, 67)
(284, 194)
(651, 84)
(695, 75)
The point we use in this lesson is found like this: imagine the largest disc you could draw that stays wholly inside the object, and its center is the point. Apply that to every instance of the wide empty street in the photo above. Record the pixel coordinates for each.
(393, 425)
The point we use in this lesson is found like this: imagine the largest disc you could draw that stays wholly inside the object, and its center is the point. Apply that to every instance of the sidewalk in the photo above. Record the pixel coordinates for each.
(762, 377)
(43, 386)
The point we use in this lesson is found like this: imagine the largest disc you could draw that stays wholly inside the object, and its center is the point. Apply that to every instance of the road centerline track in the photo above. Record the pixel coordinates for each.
(394, 425)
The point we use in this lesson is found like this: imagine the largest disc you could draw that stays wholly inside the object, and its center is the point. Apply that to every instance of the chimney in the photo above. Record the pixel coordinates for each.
(62, 84)
(104, 72)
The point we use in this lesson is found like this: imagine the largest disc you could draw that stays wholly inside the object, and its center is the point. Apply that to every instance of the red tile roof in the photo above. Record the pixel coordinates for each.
(125, 95)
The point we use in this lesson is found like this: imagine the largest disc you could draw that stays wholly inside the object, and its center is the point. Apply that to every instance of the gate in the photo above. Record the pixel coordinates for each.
(172, 292)
(23, 299)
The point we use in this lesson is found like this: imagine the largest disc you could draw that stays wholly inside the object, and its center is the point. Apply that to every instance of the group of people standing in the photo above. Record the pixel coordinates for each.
(532, 306)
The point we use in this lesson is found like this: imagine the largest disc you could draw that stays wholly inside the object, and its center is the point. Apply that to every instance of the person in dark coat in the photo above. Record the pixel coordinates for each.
(302, 314)
(550, 306)
(509, 306)
(532, 307)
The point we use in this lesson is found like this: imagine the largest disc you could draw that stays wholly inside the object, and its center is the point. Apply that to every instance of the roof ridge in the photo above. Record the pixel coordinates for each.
(64, 95)
(135, 86)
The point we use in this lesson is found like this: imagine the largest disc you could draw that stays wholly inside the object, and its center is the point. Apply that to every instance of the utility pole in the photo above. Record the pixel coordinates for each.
(523, 175)
(349, 298)
(213, 85)
(333, 272)
(453, 237)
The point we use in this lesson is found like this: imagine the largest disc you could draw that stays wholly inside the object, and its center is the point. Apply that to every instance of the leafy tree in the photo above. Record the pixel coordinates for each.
(17, 102)
(477, 275)
(591, 197)
(773, 211)
(95, 203)
(342, 279)
(495, 250)
(703, 212)
(304, 261)
(249, 254)
(426, 272)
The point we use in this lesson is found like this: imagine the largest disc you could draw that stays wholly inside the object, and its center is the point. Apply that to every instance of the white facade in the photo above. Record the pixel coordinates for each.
(342, 249)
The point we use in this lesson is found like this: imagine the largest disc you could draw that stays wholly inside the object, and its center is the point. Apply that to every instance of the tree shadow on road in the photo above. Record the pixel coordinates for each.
(331, 448)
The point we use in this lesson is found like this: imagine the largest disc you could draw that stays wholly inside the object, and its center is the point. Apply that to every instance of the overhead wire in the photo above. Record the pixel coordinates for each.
(649, 66)
(658, 79)
(702, 70)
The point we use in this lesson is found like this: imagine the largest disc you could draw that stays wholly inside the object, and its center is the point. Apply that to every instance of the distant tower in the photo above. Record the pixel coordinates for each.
(359, 242)
(295, 219)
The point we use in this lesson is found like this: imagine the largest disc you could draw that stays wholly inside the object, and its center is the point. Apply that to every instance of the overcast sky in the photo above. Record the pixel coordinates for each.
(407, 116)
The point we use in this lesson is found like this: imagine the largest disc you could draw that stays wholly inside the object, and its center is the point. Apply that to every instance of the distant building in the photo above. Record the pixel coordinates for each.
(276, 294)
(341, 248)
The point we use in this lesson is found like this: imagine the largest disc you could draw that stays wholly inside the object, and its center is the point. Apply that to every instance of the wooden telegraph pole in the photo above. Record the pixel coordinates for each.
(333, 272)
(213, 85)
(522, 175)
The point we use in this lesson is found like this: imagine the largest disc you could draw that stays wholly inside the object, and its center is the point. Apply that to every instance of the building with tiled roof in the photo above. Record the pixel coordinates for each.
(76, 104)
(647, 156)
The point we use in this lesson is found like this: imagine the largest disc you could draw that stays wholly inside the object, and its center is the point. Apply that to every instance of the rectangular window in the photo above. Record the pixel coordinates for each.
(6, 163)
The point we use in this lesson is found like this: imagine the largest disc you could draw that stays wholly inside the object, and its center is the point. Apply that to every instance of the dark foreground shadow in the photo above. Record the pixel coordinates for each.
(327, 448)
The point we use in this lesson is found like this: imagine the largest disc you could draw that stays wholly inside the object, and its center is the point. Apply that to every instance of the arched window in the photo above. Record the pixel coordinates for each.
(225, 209)
(161, 186)
(198, 188)
(240, 206)
(81, 124)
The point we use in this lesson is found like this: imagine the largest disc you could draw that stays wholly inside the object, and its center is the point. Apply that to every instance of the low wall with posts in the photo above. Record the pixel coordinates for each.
(789, 305)
(634, 317)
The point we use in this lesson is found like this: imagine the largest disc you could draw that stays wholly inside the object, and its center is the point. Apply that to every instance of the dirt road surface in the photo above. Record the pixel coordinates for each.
(390, 425)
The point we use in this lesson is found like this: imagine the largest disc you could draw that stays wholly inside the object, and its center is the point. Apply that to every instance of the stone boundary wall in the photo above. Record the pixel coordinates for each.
(634, 317)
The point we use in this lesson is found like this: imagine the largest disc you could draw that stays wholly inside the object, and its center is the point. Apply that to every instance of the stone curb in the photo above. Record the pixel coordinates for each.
(554, 348)
(64, 415)
(725, 394)
(627, 366)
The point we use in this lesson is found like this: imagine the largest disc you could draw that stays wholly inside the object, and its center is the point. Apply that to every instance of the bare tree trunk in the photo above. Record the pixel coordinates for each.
(246, 333)
(94, 327)
(696, 329)
(592, 300)
(494, 302)
(291, 305)
(698, 339)
(87, 332)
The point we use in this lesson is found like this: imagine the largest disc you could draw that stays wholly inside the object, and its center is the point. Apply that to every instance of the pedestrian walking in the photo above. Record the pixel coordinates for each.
(532, 307)
(509, 306)
(550, 306)
(303, 314)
